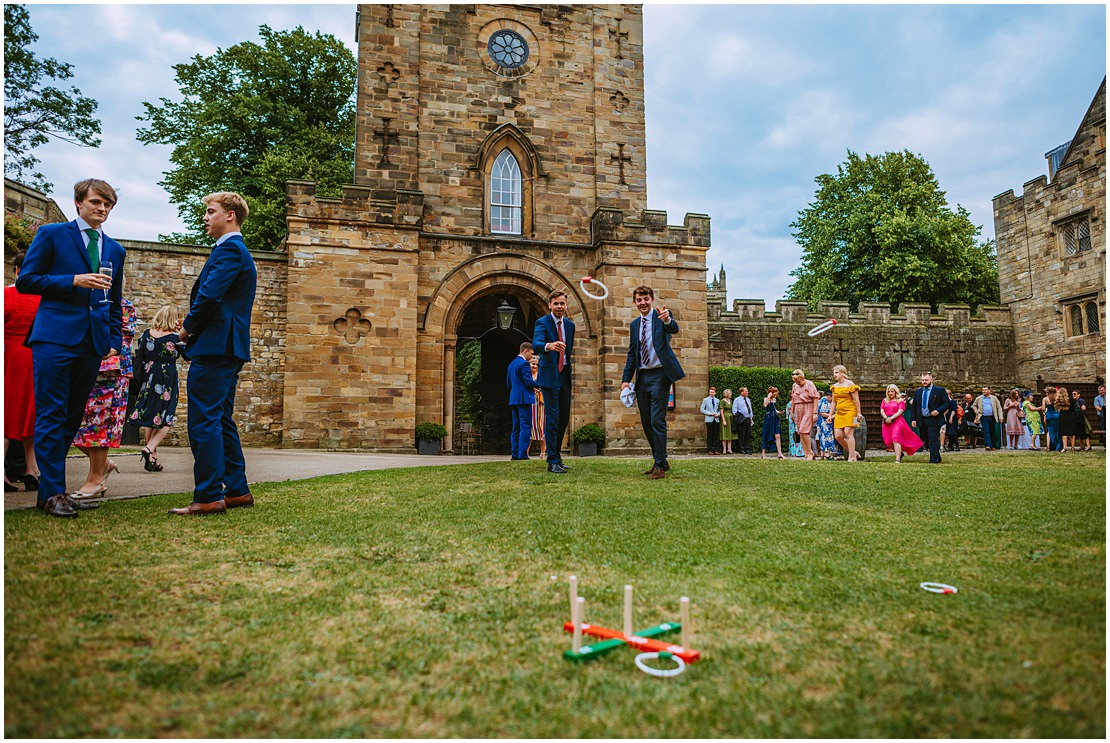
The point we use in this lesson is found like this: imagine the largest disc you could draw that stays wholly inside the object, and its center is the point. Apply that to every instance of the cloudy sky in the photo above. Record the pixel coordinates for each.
(778, 95)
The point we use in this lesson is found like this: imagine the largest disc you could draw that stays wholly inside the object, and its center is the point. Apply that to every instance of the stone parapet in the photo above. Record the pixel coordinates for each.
(648, 227)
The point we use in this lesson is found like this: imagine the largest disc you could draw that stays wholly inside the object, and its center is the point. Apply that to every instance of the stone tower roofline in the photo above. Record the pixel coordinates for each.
(1041, 182)
(870, 313)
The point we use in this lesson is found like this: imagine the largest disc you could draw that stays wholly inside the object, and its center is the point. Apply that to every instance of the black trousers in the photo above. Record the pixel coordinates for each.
(744, 434)
(713, 436)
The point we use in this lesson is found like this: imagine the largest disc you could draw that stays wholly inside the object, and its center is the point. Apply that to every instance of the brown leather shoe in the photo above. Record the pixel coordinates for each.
(650, 470)
(239, 501)
(58, 506)
(200, 509)
(658, 473)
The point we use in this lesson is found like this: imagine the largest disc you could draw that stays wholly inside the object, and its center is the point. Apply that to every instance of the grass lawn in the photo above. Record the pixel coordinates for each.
(430, 602)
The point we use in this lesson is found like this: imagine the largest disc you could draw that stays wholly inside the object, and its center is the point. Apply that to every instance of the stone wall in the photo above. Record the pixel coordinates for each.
(1038, 279)
(158, 274)
(877, 345)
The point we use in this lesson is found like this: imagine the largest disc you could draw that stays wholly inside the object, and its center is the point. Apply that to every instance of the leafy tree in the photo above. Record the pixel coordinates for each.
(252, 117)
(880, 230)
(34, 112)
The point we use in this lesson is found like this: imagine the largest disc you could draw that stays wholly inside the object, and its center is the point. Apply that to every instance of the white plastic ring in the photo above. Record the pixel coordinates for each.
(657, 672)
(827, 325)
(938, 587)
(589, 280)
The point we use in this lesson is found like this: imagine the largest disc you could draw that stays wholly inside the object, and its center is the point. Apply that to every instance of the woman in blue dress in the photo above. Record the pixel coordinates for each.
(156, 405)
(823, 430)
(771, 428)
(1052, 419)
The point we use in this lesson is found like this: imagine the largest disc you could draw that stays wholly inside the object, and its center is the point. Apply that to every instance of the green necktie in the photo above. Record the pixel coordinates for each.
(94, 248)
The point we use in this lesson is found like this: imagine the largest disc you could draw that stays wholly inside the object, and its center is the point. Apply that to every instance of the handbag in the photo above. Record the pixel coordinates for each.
(797, 438)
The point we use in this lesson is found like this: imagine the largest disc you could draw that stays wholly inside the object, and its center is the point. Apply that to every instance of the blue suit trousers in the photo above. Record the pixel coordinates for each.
(64, 376)
(521, 437)
(219, 468)
(653, 390)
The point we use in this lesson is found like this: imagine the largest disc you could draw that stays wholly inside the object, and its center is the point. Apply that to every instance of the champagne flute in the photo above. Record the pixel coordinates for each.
(105, 270)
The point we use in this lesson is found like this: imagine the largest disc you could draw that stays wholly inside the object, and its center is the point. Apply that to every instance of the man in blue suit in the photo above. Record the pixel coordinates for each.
(79, 322)
(930, 403)
(553, 341)
(217, 335)
(518, 379)
(655, 367)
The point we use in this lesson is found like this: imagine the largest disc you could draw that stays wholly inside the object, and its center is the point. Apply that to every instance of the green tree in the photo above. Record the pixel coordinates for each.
(252, 117)
(34, 112)
(880, 230)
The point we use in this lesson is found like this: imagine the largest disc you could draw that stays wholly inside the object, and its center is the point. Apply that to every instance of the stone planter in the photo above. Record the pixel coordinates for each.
(587, 449)
(427, 446)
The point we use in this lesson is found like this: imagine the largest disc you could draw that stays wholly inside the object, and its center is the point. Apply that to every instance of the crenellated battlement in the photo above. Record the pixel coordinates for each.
(649, 226)
(869, 313)
(358, 204)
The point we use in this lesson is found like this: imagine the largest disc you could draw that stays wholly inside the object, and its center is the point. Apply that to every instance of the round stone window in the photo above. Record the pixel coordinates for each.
(508, 49)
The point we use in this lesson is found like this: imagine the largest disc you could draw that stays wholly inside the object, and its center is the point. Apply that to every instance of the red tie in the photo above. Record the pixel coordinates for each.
(562, 354)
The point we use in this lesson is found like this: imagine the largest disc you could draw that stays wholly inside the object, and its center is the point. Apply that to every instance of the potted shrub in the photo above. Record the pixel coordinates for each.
(589, 438)
(428, 436)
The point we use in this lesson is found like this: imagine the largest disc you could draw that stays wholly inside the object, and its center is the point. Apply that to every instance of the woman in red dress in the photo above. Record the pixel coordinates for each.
(19, 381)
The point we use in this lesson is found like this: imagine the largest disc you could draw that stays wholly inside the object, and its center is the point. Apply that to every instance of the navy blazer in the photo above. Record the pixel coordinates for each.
(518, 379)
(67, 312)
(661, 339)
(219, 318)
(543, 334)
(938, 401)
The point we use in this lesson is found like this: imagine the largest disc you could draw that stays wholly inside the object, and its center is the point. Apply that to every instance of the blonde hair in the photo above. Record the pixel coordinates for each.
(229, 201)
(1063, 400)
(894, 387)
(166, 318)
(842, 368)
(797, 373)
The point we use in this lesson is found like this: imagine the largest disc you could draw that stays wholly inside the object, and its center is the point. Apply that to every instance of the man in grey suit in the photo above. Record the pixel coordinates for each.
(655, 367)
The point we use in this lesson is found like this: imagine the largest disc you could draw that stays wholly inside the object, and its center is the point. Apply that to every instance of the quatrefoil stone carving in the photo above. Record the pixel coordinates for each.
(352, 326)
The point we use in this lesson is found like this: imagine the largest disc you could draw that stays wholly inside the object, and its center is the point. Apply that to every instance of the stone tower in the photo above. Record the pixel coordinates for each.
(500, 154)
(1052, 258)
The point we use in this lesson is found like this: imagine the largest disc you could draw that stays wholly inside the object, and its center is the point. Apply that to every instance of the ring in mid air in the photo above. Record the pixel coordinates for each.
(589, 280)
(827, 325)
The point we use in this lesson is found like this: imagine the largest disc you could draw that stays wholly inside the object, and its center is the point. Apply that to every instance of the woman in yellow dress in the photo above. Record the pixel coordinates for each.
(846, 411)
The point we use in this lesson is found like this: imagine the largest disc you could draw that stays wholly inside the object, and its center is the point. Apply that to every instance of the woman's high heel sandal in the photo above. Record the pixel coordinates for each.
(108, 470)
(150, 462)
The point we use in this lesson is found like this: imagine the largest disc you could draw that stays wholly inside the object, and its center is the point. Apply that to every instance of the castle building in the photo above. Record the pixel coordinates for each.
(500, 154)
(1051, 245)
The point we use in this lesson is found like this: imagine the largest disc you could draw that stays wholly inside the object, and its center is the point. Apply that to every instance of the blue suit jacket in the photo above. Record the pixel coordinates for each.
(67, 313)
(219, 319)
(543, 334)
(938, 401)
(661, 340)
(519, 381)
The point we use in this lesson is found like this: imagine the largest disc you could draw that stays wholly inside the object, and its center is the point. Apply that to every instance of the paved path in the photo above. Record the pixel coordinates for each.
(263, 465)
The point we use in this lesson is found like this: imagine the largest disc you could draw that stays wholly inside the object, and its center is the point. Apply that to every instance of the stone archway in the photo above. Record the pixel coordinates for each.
(522, 278)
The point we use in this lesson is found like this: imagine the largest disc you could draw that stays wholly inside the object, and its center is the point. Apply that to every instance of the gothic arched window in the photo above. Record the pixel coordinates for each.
(505, 195)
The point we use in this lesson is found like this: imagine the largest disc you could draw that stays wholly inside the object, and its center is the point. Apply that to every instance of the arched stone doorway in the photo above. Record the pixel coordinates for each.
(491, 328)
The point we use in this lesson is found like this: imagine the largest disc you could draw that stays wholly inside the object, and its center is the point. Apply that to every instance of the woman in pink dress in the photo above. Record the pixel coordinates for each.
(803, 409)
(1015, 418)
(19, 385)
(896, 432)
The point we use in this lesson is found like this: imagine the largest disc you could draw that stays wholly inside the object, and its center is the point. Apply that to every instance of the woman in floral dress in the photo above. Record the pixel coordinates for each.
(156, 406)
(102, 427)
(823, 429)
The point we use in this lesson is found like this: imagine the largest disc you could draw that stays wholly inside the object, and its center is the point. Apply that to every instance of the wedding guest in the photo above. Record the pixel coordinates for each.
(1014, 417)
(1032, 419)
(742, 416)
(1079, 408)
(896, 432)
(19, 384)
(1068, 428)
(156, 355)
(803, 410)
(771, 429)
(1051, 419)
(102, 426)
(727, 434)
(846, 411)
(824, 437)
